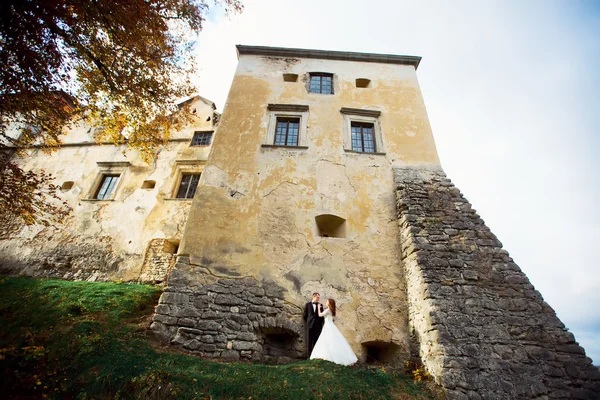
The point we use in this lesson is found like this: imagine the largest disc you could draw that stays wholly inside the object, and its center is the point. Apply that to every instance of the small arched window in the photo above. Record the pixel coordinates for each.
(329, 225)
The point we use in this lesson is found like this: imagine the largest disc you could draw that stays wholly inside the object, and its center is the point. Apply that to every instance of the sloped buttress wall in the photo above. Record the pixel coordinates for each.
(482, 329)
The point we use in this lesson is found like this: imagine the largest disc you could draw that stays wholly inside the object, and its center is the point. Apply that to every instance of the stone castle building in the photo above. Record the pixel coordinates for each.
(128, 216)
(323, 176)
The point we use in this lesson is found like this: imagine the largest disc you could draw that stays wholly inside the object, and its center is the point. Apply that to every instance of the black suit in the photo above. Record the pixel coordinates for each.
(314, 325)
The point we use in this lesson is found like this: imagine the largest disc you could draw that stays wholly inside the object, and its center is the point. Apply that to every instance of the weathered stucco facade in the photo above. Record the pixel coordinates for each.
(134, 232)
(256, 210)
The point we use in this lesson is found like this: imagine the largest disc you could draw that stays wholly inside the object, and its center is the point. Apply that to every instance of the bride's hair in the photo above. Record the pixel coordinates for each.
(331, 305)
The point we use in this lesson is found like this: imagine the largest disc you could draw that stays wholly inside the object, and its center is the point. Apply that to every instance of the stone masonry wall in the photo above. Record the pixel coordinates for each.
(481, 328)
(158, 260)
(227, 317)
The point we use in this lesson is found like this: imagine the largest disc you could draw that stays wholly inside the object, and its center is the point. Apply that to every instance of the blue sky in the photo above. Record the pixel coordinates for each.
(512, 90)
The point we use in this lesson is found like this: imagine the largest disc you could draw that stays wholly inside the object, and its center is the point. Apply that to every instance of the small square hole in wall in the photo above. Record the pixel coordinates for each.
(379, 352)
(67, 185)
(331, 226)
(290, 77)
(363, 83)
(172, 246)
(148, 184)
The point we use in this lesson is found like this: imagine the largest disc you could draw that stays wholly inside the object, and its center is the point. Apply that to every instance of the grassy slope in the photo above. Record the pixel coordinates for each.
(61, 339)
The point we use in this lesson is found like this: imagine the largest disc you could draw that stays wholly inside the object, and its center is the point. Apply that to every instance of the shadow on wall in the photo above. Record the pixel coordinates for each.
(380, 352)
(281, 346)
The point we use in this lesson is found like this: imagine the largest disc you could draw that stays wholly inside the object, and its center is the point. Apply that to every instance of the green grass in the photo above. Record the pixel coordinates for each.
(81, 340)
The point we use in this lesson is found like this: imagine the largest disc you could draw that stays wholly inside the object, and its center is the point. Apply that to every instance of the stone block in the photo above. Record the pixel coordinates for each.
(162, 309)
(234, 326)
(192, 344)
(209, 347)
(208, 325)
(165, 319)
(230, 355)
(216, 288)
(187, 311)
(173, 298)
(241, 345)
(228, 300)
(246, 354)
(189, 322)
(246, 336)
(240, 319)
(262, 301)
(208, 339)
(257, 309)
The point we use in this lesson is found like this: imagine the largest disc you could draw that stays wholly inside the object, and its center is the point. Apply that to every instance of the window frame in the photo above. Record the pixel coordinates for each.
(353, 115)
(277, 111)
(362, 126)
(182, 175)
(112, 186)
(184, 167)
(107, 168)
(287, 121)
(211, 133)
(321, 75)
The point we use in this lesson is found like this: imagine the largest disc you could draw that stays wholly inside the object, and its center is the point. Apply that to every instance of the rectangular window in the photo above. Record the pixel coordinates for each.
(201, 139)
(286, 131)
(321, 83)
(363, 139)
(107, 186)
(187, 186)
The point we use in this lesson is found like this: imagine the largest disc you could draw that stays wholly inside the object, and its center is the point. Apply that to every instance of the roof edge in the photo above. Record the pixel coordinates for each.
(328, 55)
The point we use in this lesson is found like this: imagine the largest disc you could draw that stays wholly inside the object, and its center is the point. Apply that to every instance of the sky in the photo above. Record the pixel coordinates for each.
(512, 90)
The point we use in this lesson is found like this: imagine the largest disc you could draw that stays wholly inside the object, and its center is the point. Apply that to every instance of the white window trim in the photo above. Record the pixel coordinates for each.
(107, 168)
(287, 111)
(185, 167)
(352, 115)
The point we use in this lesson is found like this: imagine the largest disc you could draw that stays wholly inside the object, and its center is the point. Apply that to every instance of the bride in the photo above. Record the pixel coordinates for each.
(331, 345)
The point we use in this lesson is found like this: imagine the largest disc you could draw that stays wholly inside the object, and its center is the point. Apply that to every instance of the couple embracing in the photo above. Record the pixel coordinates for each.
(323, 339)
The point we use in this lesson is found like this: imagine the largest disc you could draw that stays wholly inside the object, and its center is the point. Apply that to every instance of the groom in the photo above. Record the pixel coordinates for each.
(314, 323)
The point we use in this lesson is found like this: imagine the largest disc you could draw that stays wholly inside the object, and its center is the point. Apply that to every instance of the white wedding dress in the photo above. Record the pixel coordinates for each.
(332, 345)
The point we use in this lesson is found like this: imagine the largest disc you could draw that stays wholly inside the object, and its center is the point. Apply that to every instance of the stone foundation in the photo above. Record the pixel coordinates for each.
(158, 261)
(85, 260)
(483, 331)
(228, 317)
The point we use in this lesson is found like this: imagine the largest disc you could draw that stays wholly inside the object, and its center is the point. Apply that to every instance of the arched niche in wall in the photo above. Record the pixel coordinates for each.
(329, 225)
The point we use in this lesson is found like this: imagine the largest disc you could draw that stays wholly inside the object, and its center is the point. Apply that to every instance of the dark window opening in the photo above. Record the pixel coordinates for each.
(201, 138)
(280, 346)
(363, 137)
(187, 186)
(290, 77)
(379, 352)
(321, 83)
(287, 131)
(363, 83)
(67, 186)
(331, 226)
(107, 186)
(148, 184)
(171, 246)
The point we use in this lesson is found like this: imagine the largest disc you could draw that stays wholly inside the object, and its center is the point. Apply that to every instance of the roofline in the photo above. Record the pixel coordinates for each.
(328, 55)
(195, 97)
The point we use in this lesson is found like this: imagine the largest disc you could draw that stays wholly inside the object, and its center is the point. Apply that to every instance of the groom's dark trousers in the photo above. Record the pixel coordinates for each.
(314, 325)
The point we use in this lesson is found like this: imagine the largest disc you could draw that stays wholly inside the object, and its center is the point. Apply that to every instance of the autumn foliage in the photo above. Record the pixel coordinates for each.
(119, 65)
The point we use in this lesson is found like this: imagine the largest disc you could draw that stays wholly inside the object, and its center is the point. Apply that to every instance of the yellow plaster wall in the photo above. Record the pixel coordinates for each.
(120, 228)
(254, 212)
